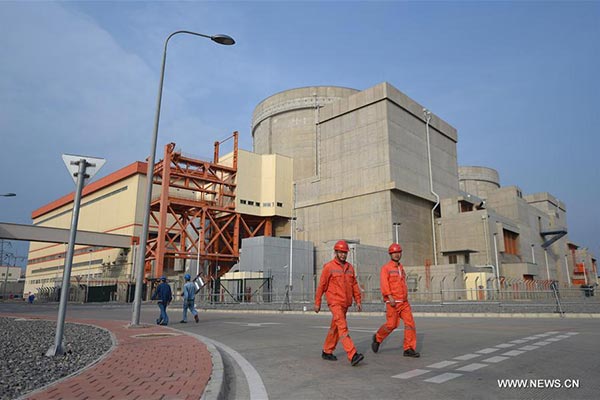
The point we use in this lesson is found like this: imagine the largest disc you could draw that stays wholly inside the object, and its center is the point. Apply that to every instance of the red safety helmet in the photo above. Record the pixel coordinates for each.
(395, 248)
(341, 245)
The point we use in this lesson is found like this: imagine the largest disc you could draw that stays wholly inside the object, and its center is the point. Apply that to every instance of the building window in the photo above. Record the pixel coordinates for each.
(242, 201)
(511, 242)
(465, 206)
(452, 259)
(250, 203)
(279, 204)
(267, 204)
(257, 204)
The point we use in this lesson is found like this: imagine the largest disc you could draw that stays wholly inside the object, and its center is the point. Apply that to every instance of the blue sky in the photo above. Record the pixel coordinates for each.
(518, 80)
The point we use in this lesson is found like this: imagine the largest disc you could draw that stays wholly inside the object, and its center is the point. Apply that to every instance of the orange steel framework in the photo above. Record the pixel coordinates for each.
(195, 213)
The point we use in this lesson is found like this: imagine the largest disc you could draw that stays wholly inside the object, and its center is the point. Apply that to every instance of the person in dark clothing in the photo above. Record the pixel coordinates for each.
(164, 296)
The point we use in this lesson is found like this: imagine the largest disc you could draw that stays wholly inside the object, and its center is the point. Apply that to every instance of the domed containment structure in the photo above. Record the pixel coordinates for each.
(478, 180)
(286, 124)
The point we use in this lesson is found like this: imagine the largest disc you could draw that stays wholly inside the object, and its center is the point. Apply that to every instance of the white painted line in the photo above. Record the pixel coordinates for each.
(442, 364)
(513, 353)
(411, 374)
(544, 334)
(495, 359)
(530, 338)
(555, 339)
(255, 383)
(504, 345)
(487, 351)
(563, 336)
(572, 333)
(519, 341)
(552, 333)
(443, 377)
(466, 357)
(472, 367)
(541, 343)
(529, 347)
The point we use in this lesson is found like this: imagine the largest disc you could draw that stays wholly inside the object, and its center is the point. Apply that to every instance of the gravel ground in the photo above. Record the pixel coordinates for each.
(24, 366)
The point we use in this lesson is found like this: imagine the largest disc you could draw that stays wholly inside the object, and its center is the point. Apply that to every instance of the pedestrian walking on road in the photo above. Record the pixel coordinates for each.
(395, 295)
(164, 296)
(189, 293)
(338, 283)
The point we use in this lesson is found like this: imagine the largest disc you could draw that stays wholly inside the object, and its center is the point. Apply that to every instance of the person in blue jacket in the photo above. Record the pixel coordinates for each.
(188, 294)
(164, 296)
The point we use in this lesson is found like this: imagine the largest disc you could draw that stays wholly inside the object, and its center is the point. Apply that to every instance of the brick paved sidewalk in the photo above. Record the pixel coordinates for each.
(148, 362)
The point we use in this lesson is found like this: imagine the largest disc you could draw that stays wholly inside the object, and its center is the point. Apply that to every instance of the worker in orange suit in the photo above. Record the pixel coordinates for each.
(395, 295)
(338, 282)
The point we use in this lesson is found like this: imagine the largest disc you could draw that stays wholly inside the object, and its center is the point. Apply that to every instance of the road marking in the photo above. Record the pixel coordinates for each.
(519, 341)
(513, 353)
(443, 377)
(495, 359)
(487, 351)
(255, 383)
(472, 367)
(528, 347)
(466, 357)
(442, 364)
(254, 324)
(411, 374)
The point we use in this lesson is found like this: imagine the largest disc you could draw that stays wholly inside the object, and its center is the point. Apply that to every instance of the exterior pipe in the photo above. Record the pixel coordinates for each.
(497, 263)
(427, 114)
(568, 276)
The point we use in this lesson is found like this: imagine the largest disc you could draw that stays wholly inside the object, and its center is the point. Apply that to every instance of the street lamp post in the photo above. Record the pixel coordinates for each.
(137, 303)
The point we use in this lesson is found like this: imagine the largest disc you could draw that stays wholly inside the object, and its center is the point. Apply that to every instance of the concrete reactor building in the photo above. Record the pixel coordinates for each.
(371, 167)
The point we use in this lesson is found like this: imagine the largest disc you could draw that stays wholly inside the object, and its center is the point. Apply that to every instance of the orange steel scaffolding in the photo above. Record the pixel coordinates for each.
(195, 212)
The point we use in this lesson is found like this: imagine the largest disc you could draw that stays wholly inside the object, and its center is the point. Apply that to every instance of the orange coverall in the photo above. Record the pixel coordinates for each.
(339, 284)
(393, 282)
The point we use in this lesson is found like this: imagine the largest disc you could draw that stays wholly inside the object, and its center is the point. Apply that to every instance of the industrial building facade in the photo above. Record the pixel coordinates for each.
(332, 163)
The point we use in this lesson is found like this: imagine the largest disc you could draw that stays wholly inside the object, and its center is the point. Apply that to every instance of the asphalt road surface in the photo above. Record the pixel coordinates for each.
(278, 355)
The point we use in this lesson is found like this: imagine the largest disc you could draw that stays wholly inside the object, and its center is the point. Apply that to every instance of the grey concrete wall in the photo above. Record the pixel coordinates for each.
(374, 171)
(271, 255)
(285, 123)
(478, 180)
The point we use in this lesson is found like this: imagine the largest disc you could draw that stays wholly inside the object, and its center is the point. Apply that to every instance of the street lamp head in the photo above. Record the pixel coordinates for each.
(222, 39)
(8, 195)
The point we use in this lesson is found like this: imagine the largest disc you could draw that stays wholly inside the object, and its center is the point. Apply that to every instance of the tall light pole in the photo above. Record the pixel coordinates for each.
(137, 302)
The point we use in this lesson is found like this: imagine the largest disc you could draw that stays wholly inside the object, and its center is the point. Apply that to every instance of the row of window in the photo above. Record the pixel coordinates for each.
(257, 203)
(48, 280)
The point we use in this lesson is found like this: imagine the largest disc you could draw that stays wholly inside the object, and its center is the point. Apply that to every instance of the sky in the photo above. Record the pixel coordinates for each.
(518, 80)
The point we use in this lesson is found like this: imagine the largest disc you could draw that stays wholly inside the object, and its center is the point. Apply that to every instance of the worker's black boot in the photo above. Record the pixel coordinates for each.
(375, 344)
(411, 353)
(356, 358)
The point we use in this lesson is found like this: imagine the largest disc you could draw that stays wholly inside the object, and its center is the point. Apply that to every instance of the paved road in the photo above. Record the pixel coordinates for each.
(462, 358)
